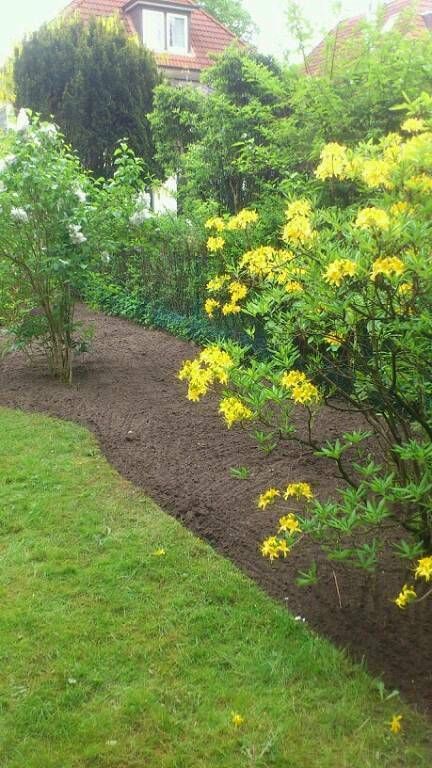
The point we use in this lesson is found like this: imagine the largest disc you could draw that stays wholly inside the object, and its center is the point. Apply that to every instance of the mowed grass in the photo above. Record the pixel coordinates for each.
(112, 655)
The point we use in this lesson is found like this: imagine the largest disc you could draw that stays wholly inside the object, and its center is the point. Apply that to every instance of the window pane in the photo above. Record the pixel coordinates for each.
(154, 30)
(177, 32)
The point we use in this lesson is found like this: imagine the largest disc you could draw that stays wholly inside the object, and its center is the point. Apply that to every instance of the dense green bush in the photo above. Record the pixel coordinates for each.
(95, 81)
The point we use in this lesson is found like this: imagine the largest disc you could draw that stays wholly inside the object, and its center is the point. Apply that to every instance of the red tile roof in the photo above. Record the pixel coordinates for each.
(208, 36)
(339, 41)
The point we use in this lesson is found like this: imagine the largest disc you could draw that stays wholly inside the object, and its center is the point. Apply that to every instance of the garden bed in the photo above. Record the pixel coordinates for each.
(181, 454)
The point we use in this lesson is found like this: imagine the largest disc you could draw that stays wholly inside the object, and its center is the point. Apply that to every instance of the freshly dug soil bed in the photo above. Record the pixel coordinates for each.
(180, 453)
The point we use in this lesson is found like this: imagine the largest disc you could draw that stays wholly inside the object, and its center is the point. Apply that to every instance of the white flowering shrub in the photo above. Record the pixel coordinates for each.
(43, 245)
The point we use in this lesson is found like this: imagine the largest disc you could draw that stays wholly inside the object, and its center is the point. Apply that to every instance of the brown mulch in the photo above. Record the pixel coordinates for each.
(180, 453)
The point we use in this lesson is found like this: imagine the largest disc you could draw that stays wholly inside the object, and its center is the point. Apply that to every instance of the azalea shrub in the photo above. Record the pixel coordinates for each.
(345, 301)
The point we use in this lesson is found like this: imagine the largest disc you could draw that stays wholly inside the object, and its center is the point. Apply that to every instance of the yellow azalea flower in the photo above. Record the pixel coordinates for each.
(396, 724)
(424, 569)
(334, 162)
(299, 208)
(215, 244)
(414, 125)
(293, 286)
(268, 497)
(242, 220)
(215, 223)
(233, 410)
(292, 379)
(283, 548)
(210, 306)
(274, 547)
(377, 173)
(306, 394)
(421, 183)
(231, 309)
(372, 218)
(398, 209)
(405, 289)
(217, 283)
(406, 596)
(298, 230)
(298, 491)
(237, 719)
(289, 524)
(218, 361)
(212, 365)
(338, 270)
(260, 262)
(391, 146)
(161, 552)
(388, 266)
(238, 291)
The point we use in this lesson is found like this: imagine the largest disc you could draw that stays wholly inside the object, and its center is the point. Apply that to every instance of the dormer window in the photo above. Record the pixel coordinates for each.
(164, 31)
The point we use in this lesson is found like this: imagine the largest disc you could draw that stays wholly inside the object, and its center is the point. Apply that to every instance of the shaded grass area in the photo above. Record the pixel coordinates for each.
(113, 655)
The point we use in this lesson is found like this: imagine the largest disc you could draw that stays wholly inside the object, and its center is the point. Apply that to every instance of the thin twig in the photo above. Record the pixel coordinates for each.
(337, 589)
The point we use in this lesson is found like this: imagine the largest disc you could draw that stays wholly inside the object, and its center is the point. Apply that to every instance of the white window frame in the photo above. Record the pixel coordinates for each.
(162, 14)
(184, 18)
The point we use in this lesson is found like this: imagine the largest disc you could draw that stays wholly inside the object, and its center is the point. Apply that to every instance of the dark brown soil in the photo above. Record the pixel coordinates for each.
(180, 454)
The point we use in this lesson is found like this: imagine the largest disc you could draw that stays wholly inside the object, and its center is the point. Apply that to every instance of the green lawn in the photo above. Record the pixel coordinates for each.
(114, 656)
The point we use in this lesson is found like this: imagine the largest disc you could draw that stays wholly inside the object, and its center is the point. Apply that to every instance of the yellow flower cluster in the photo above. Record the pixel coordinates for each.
(372, 218)
(237, 291)
(414, 125)
(424, 568)
(215, 244)
(303, 392)
(334, 163)
(298, 491)
(299, 208)
(387, 266)
(338, 270)
(406, 596)
(268, 497)
(242, 220)
(212, 365)
(377, 173)
(217, 283)
(210, 306)
(233, 410)
(293, 286)
(298, 228)
(289, 524)
(391, 147)
(259, 263)
(421, 183)
(400, 208)
(273, 548)
(216, 223)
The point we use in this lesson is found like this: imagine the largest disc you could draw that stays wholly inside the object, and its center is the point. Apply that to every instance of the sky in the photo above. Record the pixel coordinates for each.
(23, 16)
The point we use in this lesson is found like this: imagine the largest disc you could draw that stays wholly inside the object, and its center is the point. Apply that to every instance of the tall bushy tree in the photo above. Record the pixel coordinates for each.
(97, 83)
(226, 154)
(232, 14)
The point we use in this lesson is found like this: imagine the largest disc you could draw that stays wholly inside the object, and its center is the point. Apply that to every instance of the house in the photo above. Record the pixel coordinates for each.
(414, 17)
(182, 36)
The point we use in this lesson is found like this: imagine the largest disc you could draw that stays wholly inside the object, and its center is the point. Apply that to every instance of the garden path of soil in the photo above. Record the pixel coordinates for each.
(180, 453)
